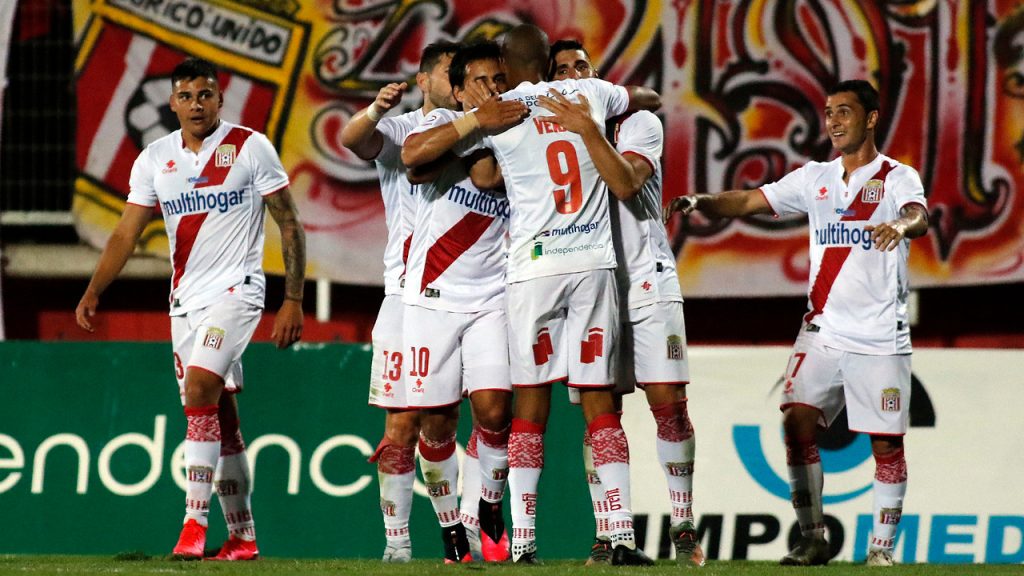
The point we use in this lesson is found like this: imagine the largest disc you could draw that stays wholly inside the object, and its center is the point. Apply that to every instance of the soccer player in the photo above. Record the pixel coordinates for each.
(854, 346)
(455, 326)
(653, 340)
(561, 295)
(211, 179)
(372, 137)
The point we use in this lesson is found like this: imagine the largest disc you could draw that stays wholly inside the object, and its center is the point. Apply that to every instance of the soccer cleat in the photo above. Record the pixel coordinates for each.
(525, 553)
(473, 535)
(492, 551)
(880, 557)
(237, 549)
(191, 542)
(600, 552)
(456, 545)
(809, 551)
(398, 551)
(623, 555)
(684, 538)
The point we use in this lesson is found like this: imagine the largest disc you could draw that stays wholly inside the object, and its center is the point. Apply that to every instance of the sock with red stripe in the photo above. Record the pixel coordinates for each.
(469, 503)
(611, 461)
(526, 460)
(440, 469)
(202, 449)
(675, 446)
(602, 525)
(805, 483)
(890, 486)
(232, 482)
(396, 474)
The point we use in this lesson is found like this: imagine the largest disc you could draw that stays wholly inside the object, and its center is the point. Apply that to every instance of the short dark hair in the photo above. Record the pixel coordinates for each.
(482, 50)
(863, 90)
(433, 52)
(193, 67)
(561, 46)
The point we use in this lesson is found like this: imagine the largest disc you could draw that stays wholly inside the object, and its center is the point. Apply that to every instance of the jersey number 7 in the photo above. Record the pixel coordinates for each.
(569, 197)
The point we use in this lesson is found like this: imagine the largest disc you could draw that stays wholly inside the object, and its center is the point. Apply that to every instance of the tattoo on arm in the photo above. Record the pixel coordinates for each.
(293, 242)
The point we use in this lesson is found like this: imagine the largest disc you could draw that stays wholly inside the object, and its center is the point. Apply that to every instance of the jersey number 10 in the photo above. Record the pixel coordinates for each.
(569, 198)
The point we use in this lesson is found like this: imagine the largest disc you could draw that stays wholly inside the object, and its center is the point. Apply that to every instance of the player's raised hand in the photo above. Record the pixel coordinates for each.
(287, 324)
(86, 309)
(684, 204)
(495, 115)
(389, 96)
(573, 116)
(475, 94)
(887, 236)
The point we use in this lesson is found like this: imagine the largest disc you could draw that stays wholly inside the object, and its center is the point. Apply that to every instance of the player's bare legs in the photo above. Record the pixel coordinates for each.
(890, 486)
(491, 412)
(396, 474)
(202, 450)
(531, 409)
(440, 467)
(232, 481)
(800, 423)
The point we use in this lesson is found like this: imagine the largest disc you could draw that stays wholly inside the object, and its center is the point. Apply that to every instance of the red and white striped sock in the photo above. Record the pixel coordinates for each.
(602, 526)
(493, 451)
(469, 501)
(890, 486)
(440, 469)
(526, 460)
(232, 482)
(675, 446)
(396, 474)
(202, 449)
(611, 461)
(805, 482)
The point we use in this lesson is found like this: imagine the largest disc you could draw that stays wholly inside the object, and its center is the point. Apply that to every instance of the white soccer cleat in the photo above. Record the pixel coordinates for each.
(398, 552)
(880, 557)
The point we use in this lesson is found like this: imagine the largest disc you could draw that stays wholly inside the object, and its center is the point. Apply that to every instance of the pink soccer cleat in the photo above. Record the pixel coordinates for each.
(494, 551)
(191, 542)
(236, 549)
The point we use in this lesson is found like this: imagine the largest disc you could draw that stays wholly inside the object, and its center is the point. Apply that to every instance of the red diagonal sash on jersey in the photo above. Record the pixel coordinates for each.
(453, 244)
(833, 259)
(214, 174)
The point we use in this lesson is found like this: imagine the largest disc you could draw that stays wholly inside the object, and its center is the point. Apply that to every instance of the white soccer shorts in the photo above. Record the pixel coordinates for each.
(874, 388)
(564, 327)
(451, 352)
(387, 385)
(213, 339)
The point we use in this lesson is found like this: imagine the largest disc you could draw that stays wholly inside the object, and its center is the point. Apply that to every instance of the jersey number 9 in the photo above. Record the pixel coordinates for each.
(569, 197)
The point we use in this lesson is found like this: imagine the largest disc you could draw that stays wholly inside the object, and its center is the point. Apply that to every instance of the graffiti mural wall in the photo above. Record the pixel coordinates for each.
(743, 82)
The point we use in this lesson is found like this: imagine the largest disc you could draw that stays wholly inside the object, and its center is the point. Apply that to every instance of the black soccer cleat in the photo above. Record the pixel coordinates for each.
(456, 545)
(625, 556)
(600, 552)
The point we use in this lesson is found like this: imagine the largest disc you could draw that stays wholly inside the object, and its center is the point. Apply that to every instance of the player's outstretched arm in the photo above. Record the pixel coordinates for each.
(912, 223)
(493, 116)
(360, 133)
(729, 204)
(643, 98)
(288, 323)
(115, 254)
(624, 178)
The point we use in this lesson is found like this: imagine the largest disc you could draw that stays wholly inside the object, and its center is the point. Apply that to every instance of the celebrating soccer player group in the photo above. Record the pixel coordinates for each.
(526, 247)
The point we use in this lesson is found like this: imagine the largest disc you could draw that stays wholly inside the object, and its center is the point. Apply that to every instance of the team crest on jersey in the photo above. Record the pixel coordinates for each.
(891, 400)
(224, 155)
(872, 192)
(675, 347)
(214, 338)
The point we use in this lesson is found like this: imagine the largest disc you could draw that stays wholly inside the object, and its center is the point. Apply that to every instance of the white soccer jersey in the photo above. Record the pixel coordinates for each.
(212, 203)
(647, 267)
(560, 222)
(857, 294)
(457, 257)
(397, 192)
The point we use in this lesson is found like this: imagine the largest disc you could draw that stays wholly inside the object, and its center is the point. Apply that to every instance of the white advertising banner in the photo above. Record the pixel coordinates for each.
(964, 450)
